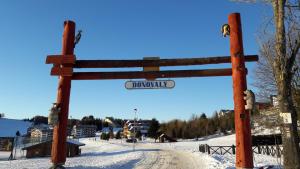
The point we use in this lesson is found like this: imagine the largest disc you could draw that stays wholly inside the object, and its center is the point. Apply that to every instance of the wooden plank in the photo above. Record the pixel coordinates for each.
(60, 59)
(152, 74)
(161, 62)
(61, 71)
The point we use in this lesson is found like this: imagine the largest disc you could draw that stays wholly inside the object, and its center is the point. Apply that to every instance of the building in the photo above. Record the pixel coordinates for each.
(41, 131)
(8, 131)
(223, 112)
(263, 105)
(113, 127)
(80, 131)
(163, 137)
(43, 149)
(140, 125)
(114, 130)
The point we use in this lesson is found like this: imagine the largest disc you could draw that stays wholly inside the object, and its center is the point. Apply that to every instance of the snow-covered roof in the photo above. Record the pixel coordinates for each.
(70, 141)
(9, 127)
(115, 130)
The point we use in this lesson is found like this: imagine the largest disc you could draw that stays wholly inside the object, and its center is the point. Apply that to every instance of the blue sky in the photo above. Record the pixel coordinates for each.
(129, 29)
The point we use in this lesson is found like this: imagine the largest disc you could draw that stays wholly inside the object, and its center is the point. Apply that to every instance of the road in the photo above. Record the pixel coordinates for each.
(155, 158)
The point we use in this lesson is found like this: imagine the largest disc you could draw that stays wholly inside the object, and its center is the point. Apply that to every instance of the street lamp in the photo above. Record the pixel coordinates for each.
(134, 126)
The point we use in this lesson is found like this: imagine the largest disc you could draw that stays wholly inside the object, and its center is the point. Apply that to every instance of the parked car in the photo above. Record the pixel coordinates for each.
(131, 140)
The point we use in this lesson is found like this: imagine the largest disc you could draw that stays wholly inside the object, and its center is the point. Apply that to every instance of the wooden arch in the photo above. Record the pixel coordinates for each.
(64, 65)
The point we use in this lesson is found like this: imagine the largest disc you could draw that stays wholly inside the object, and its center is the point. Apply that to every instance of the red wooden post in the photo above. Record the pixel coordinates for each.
(244, 156)
(58, 154)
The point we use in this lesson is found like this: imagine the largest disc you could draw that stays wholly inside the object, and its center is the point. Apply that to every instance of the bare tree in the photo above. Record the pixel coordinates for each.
(283, 63)
(264, 76)
(281, 52)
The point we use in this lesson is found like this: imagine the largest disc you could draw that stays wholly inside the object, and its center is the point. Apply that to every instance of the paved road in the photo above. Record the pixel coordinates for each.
(154, 158)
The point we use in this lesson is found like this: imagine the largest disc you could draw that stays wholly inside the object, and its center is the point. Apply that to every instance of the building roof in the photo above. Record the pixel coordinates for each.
(9, 127)
(84, 126)
(69, 141)
(42, 127)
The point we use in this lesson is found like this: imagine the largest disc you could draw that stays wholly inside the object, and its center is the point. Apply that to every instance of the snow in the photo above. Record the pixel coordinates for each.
(217, 161)
(9, 127)
(73, 141)
(4, 155)
(115, 154)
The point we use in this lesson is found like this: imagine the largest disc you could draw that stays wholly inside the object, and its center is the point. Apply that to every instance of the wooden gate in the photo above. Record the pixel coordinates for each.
(64, 65)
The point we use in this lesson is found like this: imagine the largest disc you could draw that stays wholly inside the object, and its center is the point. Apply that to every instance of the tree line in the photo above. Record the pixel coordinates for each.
(199, 126)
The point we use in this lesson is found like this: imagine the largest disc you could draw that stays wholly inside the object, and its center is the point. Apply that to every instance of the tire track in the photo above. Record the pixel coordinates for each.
(167, 159)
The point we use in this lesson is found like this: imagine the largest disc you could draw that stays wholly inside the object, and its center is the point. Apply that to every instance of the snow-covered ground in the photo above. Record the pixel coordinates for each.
(114, 154)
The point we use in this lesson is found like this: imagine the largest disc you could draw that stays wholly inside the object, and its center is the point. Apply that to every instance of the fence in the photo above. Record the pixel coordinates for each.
(273, 150)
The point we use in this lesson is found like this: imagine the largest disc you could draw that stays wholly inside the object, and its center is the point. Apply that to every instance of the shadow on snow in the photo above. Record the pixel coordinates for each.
(116, 152)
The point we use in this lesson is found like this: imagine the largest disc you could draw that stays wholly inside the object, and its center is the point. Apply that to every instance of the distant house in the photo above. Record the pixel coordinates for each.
(140, 125)
(113, 127)
(42, 131)
(43, 149)
(80, 131)
(263, 105)
(163, 137)
(8, 130)
(115, 130)
(223, 112)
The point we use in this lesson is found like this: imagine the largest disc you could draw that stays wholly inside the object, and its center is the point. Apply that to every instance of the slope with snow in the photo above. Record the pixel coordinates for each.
(9, 127)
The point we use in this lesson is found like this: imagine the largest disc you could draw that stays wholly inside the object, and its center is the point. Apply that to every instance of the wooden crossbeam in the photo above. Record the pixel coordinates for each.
(161, 62)
(151, 74)
(61, 71)
(60, 59)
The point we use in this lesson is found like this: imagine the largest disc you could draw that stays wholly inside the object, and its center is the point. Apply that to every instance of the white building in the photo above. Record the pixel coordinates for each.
(80, 131)
(139, 125)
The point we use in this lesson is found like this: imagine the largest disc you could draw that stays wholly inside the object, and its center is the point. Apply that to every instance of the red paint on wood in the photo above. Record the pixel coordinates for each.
(151, 74)
(61, 71)
(157, 63)
(58, 154)
(244, 156)
(60, 59)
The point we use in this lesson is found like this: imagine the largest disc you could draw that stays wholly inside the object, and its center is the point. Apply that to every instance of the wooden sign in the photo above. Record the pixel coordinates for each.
(153, 84)
(287, 118)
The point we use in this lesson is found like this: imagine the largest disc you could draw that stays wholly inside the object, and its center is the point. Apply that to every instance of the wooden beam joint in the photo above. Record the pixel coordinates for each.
(61, 59)
(61, 71)
(62, 64)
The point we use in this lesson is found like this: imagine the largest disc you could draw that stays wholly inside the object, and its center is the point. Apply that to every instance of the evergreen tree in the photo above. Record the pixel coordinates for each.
(153, 128)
